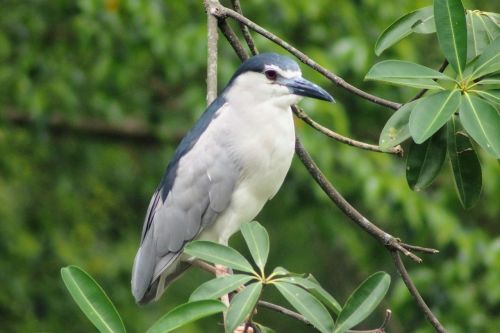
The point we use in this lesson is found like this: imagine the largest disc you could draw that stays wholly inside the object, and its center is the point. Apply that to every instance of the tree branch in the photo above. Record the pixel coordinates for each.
(244, 29)
(222, 12)
(383, 237)
(414, 292)
(232, 39)
(212, 39)
(328, 132)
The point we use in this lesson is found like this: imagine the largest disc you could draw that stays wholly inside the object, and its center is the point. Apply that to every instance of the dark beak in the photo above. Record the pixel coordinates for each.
(302, 87)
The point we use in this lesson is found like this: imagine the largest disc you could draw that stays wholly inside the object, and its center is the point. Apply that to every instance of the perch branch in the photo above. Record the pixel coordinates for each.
(232, 39)
(222, 12)
(414, 292)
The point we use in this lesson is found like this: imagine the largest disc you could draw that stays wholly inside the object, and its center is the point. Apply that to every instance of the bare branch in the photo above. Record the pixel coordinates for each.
(212, 39)
(232, 39)
(328, 132)
(414, 292)
(221, 12)
(383, 237)
(244, 29)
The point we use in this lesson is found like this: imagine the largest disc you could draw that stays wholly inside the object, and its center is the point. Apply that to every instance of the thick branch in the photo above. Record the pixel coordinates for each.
(414, 292)
(212, 39)
(221, 12)
(328, 132)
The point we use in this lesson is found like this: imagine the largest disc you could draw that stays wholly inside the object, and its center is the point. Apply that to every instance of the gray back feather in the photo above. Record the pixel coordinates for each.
(195, 188)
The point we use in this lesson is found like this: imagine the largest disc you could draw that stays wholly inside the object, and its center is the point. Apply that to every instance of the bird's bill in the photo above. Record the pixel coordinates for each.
(302, 87)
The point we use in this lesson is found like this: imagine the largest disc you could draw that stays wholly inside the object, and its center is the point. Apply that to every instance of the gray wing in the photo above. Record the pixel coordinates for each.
(197, 186)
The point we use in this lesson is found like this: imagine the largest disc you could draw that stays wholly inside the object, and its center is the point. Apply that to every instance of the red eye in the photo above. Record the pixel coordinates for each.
(271, 74)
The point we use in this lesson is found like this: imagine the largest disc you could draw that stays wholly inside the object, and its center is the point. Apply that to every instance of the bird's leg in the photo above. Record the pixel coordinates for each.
(221, 271)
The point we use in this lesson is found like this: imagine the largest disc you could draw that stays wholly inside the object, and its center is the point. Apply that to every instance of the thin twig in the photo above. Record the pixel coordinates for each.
(221, 12)
(383, 237)
(244, 29)
(212, 38)
(285, 311)
(232, 39)
(423, 91)
(328, 132)
(414, 292)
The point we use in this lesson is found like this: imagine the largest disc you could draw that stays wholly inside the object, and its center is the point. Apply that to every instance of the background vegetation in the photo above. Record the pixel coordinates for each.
(68, 196)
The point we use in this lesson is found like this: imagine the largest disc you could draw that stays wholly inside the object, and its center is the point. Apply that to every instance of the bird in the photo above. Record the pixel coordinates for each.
(232, 161)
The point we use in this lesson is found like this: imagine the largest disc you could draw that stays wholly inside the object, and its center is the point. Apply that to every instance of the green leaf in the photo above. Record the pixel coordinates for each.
(218, 254)
(489, 61)
(242, 305)
(482, 122)
(264, 329)
(451, 29)
(465, 164)
(431, 113)
(307, 305)
(313, 287)
(396, 129)
(220, 286)
(490, 82)
(92, 300)
(280, 271)
(363, 301)
(185, 314)
(406, 73)
(257, 240)
(425, 160)
(481, 32)
(402, 27)
(490, 95)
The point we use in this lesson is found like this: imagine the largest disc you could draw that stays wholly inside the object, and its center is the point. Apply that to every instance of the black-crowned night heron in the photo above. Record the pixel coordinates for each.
(229, 164)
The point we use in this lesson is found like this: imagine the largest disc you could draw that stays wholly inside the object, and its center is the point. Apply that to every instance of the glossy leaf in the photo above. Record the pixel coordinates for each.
(307, 305)
(425, 160)
(313, 287)
(464, 163)
(404, 69)
(257, 240)
(431, 113)
(363, 301)
(482, 122)
(242, 305)
(218, 254)
(490, 82)
(396, 129)
(220, 286)
(489, 61)
(451, 29)
(281, 271)
(185, 314)
(92, 300)
(490, 95)
(402, 27)
(264, 329)
(481, 32)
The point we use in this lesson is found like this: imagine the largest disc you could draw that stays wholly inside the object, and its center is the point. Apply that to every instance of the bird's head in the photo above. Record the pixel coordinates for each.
(270, 77)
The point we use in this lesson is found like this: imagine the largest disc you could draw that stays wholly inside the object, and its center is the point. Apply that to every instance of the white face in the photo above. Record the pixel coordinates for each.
(253, 87)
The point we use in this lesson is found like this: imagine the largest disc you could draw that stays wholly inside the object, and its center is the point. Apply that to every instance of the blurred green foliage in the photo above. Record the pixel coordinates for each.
(78, 199)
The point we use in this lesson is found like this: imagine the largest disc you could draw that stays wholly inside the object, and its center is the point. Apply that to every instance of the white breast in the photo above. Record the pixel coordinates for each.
(262, 139)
